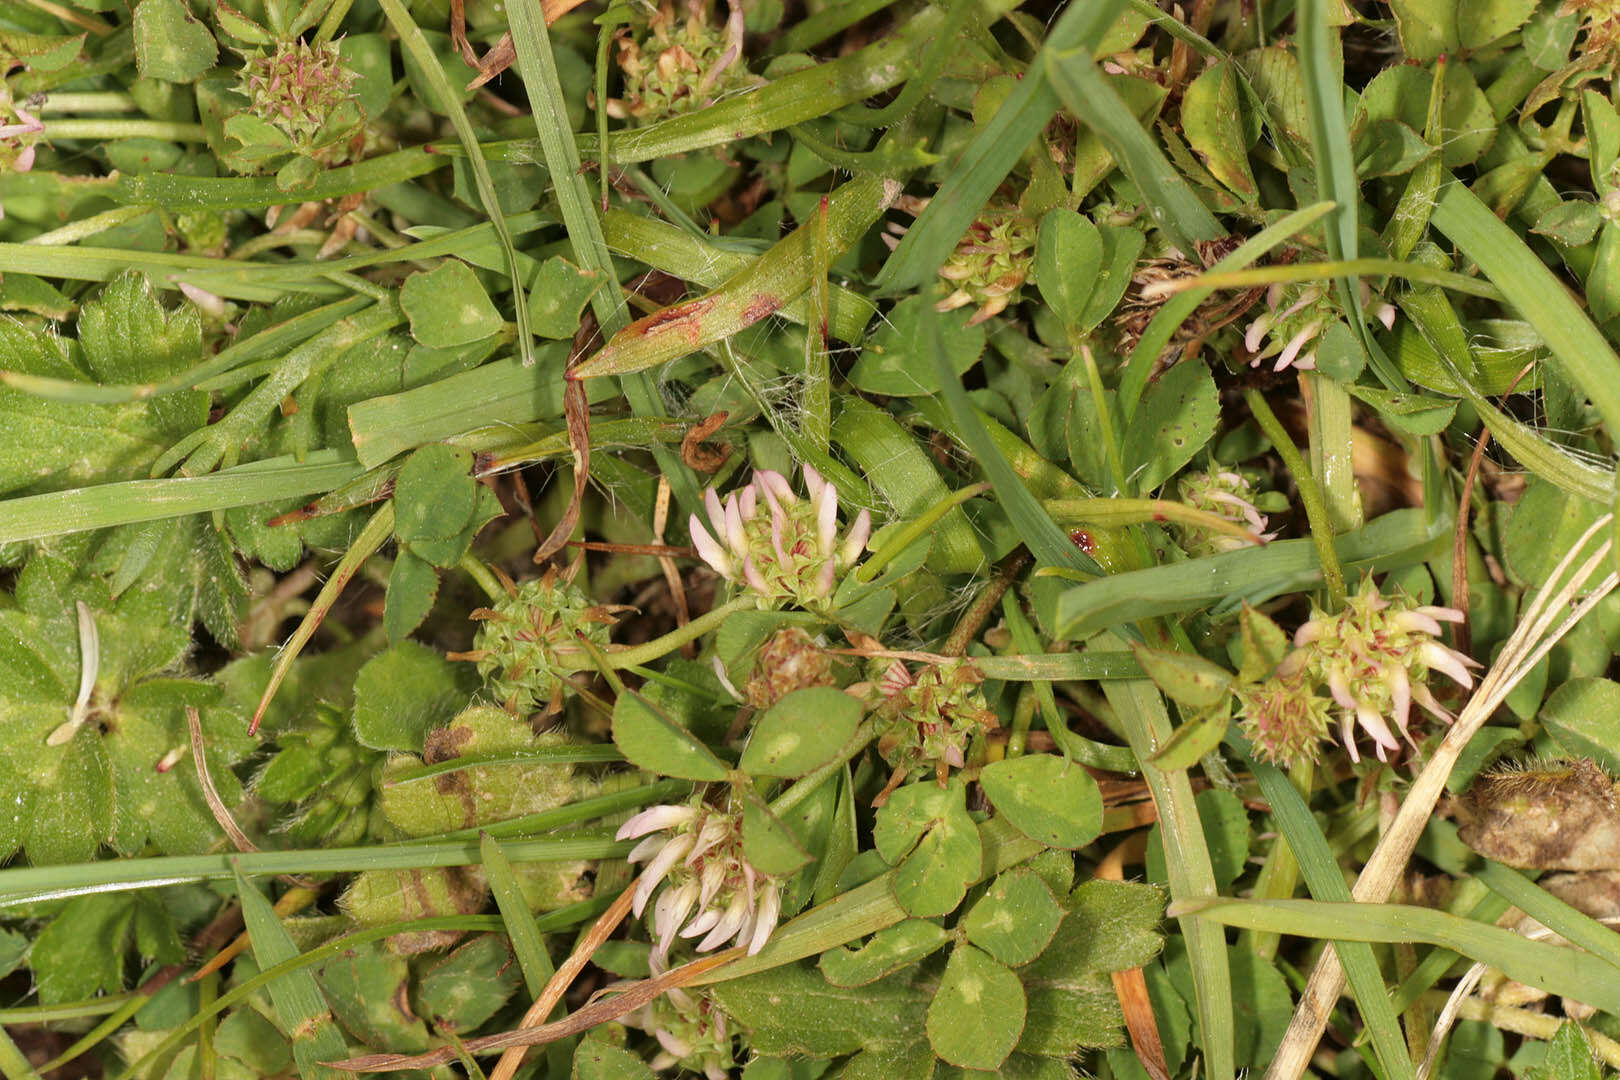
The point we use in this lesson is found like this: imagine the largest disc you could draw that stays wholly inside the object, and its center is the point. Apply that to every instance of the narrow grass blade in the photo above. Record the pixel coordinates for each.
(1575, 925)
(1539, 297)
(1326, 882)
(1175, 207)
(414, 42)
(1555, 969)
(298, 1001)
(34, 517)
(527, 943)
(30, 884)
(1398, 539)
(1176, 309)
(543, 85)
(992, 154)
(1046, 541)
(1141, 710)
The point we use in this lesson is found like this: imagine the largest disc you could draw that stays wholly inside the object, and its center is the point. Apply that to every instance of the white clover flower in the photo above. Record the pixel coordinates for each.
(1374, 657)
(712, 889)
(1307, 314)
(776, 544)
(1229, 495)
(691, 1028)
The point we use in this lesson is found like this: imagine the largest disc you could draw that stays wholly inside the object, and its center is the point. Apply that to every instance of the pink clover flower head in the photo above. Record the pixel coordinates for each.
(1374, 658)
(1229, 495)
(777, 544)
(694, 1033)
(710, 889)
(1283, 717)
(1296, 317)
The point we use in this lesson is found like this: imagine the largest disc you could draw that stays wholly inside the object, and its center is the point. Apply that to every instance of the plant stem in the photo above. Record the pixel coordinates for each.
(657, 647)
(75, 231)
(474, 568)
(807, 784)
(1280, 875)
(91, 101)
(1105, 418)
(124, 129)
(1310, 494)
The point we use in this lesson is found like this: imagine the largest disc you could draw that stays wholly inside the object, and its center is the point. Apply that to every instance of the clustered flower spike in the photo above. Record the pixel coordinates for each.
(305, 92)
(691, 1029)
(18, 138)
(1374, 659)
(528, 643)
(776, 544)
(1284, 718)
(681, 64)
(1228, 495)
(1295, 317)
(711, 890)
(929, 718)
(992, 261)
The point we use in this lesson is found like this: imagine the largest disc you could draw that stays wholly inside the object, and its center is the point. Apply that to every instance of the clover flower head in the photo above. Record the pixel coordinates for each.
(711, 890)
(929, 718)
(305, 92)
(1295, 317)
(528, 643)
(1284, 718)
(692, 1030)
(1229, 495)
(779, 546)
(1374, 657)
(992, 261)
(17, 139)
(679, 64)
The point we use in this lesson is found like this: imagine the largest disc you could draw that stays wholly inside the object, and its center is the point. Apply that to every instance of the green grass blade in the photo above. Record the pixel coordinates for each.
(1398, 539)
(30, 884)
(992, 154)
(414, 42)
(1575, 925)
(1555, 969)
(1048, 543)
(1326, 882)
(1176, 208)
(298, 1001)
(532, 43)
(1539, 297)
(34, 517)
(527, 943)
(1176, 309)
(1141, 710)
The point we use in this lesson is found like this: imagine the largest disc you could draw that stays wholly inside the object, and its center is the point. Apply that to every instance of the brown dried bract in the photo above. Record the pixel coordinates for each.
(695, 454)
(1558, 815)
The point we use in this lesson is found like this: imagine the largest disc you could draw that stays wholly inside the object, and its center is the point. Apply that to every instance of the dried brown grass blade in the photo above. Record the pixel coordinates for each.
(216, 805)
(577, 410)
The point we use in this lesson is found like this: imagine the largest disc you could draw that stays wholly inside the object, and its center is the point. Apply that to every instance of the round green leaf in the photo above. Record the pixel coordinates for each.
(652, 741)
(170, 43)
(447, 306)
(927, 831)
(888, 951)
(803, 731)
(978, 1012)
(893, 361)
(1584, 716)
(1015, 920)
(1046, 798)
(412, 586)
(767, 843)
(1068, 254)
(404, 692)
(1175, 418)
(435, 494)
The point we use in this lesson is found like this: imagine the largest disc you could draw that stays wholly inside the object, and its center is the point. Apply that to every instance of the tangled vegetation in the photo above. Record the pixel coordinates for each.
(815, 540)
